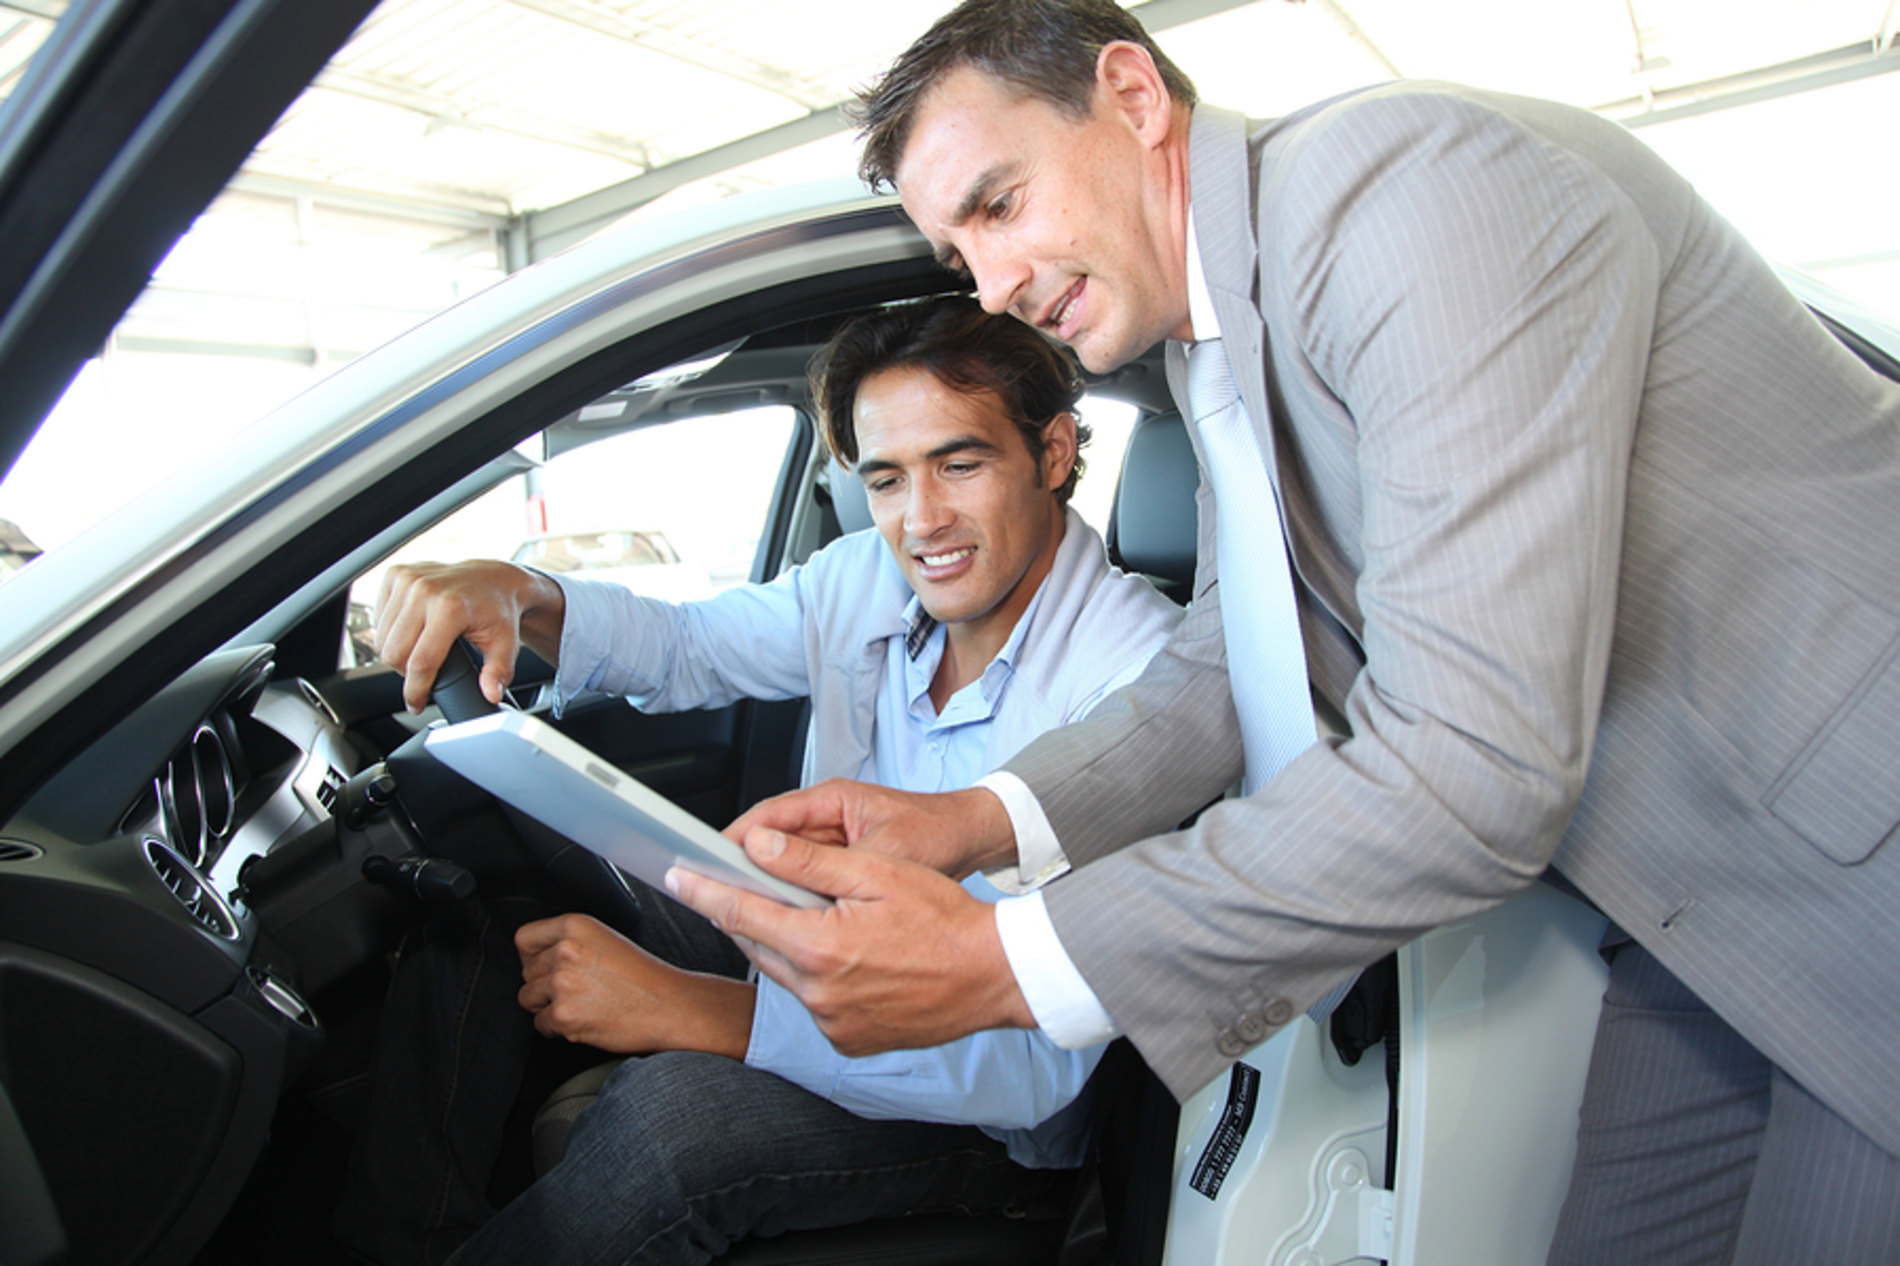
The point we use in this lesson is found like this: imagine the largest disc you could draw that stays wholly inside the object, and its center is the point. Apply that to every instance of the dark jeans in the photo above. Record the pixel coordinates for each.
(447, 1097)
(685, 1152)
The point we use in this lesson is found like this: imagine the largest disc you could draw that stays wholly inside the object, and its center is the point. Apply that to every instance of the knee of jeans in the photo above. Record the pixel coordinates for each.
(672, 1107)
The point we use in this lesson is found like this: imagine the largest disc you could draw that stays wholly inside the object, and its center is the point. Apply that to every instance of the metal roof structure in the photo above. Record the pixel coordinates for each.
(452, 140)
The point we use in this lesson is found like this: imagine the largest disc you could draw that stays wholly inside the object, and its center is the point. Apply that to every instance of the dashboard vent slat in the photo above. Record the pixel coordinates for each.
(330, 791)
(194, 892)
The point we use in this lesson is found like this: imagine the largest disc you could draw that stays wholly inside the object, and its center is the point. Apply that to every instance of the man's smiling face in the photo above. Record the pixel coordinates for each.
(1063, 223)
(971, 517)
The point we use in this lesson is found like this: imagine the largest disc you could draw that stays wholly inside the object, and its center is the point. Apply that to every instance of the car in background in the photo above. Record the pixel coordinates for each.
(16, 548)
(643, 562)
(206, 803)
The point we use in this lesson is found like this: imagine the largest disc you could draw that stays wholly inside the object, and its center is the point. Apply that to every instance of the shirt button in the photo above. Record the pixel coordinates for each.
(1230, 1044)
(1252, 1027)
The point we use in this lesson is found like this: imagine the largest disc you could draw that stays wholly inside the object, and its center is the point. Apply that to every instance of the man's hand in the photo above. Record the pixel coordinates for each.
(904, 958)
(954, 833)
(587, 983)
(424, 607)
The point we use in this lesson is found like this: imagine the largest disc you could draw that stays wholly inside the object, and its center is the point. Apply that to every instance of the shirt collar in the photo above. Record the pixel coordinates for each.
(919, 624)
(1200, 297)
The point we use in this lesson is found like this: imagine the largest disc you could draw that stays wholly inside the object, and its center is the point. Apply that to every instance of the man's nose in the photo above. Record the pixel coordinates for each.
(927, 512)
(1001, 278)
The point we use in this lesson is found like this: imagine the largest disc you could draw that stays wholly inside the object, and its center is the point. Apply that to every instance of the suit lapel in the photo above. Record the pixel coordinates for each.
(1221, 189)
(1217, 161)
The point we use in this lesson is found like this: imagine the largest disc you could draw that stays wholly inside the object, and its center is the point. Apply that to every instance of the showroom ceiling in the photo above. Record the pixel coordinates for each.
(488, 133)
(489, 111)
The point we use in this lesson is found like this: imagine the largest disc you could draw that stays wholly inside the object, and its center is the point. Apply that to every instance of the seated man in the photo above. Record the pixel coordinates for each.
(987, 614)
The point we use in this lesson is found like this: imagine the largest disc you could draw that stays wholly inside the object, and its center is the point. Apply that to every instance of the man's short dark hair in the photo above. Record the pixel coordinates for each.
(1044, 49)
(967, 350)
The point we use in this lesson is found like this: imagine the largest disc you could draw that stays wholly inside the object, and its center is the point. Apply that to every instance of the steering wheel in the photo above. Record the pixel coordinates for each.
(458, 685)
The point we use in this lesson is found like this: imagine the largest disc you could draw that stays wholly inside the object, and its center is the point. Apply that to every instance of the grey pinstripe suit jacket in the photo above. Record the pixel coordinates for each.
(1597, 534)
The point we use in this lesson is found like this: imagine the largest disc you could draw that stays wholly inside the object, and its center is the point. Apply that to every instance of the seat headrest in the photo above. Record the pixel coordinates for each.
(848, 499)
(1152, 528)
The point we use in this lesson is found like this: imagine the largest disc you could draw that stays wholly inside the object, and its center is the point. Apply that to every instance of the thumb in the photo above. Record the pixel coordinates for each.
(833, 872)
(498, 645)
(497, 672)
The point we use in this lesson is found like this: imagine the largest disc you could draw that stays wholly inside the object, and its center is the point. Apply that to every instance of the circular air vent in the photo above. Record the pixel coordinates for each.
(192, 889)
(315, 699)
(197, 796)
(18, 851)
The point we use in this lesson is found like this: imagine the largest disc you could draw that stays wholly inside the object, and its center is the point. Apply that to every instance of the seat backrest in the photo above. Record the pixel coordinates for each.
(1152, 528)
(848, 499)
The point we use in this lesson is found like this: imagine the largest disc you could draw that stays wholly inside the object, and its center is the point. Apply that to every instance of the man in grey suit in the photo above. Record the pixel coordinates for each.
(1592, 530)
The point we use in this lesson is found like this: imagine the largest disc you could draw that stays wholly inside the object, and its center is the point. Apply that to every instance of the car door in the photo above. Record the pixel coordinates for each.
(133, 116)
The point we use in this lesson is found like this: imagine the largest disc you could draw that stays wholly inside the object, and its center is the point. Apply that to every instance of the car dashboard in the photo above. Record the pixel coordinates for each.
(140, 999)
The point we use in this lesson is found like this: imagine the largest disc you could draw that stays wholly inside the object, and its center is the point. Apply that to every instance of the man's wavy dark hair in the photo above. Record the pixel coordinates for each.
(967, 350)
(1044, 49)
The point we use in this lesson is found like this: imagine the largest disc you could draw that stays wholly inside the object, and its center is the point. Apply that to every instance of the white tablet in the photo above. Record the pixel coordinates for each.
(547, 775)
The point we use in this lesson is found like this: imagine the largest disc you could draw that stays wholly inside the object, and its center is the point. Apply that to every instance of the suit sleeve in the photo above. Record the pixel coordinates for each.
(1479, 304)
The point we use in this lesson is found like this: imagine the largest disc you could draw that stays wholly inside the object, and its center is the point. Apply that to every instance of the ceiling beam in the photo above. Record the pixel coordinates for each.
(561, 226)
(52, 10)
(418, 203)
(442, 108)
(658, 39)
(1804, 74)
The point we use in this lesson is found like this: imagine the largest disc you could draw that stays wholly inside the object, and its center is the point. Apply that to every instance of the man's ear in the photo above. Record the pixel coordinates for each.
(1058, 449)
(1128, 83)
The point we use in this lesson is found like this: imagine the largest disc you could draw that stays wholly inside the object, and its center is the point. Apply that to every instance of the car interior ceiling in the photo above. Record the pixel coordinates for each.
(190, 927)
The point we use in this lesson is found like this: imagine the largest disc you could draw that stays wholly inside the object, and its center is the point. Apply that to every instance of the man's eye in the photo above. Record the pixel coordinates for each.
(880, 485)
(999, 207)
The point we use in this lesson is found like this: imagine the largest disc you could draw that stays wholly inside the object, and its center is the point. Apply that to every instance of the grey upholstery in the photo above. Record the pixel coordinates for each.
(848, 499)
(556, 1117)
(1152, 526)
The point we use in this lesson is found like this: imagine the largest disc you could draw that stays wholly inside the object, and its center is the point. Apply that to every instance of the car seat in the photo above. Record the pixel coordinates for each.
(1152, 527)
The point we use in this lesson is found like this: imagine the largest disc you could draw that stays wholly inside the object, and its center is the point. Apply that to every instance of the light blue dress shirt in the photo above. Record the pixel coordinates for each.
(842, 629)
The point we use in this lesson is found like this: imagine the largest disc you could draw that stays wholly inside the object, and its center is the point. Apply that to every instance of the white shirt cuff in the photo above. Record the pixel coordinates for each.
(1039, 856)
(1066, 1009)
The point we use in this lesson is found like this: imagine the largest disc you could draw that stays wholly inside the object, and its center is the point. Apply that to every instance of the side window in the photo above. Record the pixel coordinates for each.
(1109, 422)
(673, 511)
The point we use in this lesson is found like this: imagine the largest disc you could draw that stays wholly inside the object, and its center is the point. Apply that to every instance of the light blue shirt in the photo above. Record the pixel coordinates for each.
(842, 629)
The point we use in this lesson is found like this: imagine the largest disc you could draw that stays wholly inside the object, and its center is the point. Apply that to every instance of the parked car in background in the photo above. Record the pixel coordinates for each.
(16, 549)
(644, 562)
